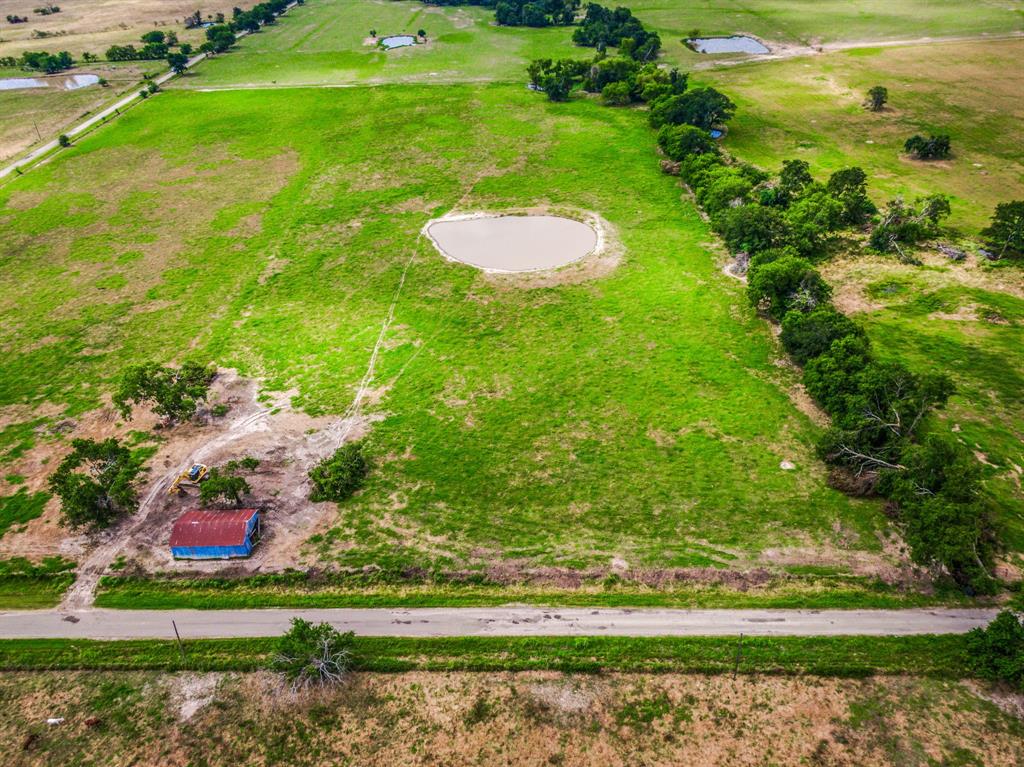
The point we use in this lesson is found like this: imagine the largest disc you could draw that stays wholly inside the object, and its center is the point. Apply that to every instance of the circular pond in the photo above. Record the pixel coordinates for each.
(397, 41)
(513, 243)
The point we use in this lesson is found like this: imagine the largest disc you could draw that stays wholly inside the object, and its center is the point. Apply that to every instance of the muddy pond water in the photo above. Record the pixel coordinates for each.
(397, 41)
(67, 83)
(513, 243)
(734, 44)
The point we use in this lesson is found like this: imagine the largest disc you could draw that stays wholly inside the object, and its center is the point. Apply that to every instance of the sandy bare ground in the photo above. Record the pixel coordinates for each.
(530, 718)
(286, 442)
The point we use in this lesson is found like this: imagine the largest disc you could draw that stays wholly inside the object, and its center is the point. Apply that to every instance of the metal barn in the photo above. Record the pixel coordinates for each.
(202, 534)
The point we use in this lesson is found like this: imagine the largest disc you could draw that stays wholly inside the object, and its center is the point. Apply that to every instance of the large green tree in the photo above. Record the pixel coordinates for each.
(95, 483)
(175, 393)
(1005, 235)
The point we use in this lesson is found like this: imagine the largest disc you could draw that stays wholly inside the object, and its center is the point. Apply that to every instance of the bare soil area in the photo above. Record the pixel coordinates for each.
(286, 442)
(94, 25)
(530, 718)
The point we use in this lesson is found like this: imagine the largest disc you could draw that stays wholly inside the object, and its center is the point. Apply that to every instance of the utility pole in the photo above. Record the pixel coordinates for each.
(739, 653)
(38, 137)
(181, 647)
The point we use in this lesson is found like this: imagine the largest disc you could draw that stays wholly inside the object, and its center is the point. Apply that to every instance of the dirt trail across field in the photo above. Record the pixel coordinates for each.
(286, 443)
(489, 621)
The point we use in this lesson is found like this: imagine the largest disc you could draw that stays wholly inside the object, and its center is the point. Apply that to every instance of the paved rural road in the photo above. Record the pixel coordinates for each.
(123, 103)
(489, 621)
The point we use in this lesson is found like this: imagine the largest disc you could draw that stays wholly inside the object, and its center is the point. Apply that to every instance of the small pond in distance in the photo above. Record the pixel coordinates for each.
(734, 44)
(69, 83)
(397, 41)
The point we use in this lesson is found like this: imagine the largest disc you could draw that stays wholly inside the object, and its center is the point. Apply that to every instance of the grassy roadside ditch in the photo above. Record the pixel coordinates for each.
(26, 586)
(312, 591)
(941, 656)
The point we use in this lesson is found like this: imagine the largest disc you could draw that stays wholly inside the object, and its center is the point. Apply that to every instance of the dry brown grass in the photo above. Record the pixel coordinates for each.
(95, 25)
(504, 719)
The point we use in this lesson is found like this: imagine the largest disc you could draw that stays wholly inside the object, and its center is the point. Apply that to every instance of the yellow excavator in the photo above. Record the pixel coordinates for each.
(189, 478)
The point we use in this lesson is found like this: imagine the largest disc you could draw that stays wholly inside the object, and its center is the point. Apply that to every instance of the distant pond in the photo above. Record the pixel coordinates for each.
(68, 83)
(397, 41)
(734, 44)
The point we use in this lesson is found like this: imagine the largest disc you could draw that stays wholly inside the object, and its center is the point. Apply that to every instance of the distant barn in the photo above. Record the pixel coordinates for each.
(215, 534)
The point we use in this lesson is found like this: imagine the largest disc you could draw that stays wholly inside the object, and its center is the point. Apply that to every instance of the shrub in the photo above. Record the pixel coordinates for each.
(812, 220)
(95, 483)
(808, 335)
(679, 141)
(222, 487)
(63, 140)
(997, 651)
(724, 187)
(751, 228)
(831, 376)
(701, 107)
(174, 392)
(616, 94)
(338, 477)
(849, 187)
(786, 284)
(931, 148)
(314, 655)
(903, 224)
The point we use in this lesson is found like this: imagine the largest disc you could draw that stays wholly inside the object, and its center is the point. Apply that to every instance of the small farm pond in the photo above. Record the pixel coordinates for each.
(734, 44)
(513, 243)
(69, 83)
(397, 41)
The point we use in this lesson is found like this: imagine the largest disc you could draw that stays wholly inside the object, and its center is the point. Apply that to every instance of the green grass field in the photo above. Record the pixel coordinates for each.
(811, 108)
(965, 323)
(637, 415)
(942, 656)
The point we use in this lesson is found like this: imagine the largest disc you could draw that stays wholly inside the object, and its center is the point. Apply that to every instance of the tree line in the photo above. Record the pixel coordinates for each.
(884, 439)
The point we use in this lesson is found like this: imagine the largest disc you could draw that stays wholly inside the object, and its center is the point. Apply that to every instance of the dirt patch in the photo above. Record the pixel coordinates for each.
(805, 404)
(287, 444)
(190, 693)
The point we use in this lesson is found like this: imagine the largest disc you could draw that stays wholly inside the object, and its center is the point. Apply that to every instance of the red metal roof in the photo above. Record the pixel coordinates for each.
(211, 528)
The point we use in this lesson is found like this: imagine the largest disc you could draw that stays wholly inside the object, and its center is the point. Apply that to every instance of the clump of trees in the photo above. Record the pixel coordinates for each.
(218, 39)
(314, 655)
(935, 147)
(178, 62)
(259, 15)
(997, 651)
(882, 429)
(47, 10)
(95, 483)
(535, 13)
(903, 224)
(13, 19)
(606, 28)
(42, 61)
(338, 477)
(1005, 234)
(877, 98)
(173, 393)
